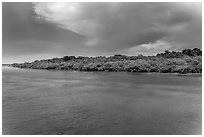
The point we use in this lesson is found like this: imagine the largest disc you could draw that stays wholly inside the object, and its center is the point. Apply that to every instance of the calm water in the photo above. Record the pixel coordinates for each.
(57, 102)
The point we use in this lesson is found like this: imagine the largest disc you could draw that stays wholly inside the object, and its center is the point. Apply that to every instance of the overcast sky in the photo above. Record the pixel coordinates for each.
(33, 31)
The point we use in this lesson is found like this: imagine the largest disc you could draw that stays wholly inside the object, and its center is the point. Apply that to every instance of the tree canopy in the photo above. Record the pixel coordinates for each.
(186, 61)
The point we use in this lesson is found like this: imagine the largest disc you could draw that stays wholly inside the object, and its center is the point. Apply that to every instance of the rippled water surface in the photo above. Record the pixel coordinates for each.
(59, 102)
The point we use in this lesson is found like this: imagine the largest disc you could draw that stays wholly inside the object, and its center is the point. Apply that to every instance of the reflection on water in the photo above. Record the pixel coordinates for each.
(57, 102)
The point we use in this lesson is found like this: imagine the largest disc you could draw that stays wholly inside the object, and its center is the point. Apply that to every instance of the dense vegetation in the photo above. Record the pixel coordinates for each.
(186, 61)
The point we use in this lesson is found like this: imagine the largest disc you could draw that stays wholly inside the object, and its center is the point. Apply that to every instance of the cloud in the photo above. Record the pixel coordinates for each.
(25, 34)
(147, 49)
(115, 26)
(32, 29)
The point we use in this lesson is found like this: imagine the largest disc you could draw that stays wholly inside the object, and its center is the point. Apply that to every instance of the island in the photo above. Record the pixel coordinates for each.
(185, 61)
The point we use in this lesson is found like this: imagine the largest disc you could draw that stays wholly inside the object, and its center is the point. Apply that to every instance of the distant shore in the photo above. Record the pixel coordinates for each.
(186, 61)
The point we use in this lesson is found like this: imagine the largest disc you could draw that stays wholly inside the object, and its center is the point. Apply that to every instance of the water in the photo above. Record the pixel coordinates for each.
(57, 102)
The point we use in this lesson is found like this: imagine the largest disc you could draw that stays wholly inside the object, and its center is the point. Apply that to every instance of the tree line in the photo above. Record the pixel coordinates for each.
(186, 61)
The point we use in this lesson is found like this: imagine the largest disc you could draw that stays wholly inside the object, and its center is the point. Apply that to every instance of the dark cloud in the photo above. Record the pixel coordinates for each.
(23, 33)
(99, 28)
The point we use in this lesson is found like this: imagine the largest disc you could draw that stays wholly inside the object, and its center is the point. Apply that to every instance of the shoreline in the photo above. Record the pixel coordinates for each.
(184, 62)
(179, 74)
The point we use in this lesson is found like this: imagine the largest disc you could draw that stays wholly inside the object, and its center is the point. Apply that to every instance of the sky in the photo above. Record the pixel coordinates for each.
(32, 31)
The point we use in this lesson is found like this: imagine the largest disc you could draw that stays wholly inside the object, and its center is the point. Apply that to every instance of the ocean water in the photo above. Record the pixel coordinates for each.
(40, 102)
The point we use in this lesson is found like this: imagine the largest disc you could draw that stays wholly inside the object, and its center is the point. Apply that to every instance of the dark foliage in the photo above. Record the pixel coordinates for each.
(187, 61)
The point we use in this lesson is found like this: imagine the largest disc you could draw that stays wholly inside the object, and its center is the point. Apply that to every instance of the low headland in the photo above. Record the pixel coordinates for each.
(186, 61)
